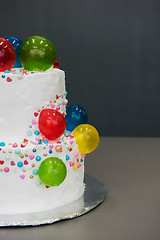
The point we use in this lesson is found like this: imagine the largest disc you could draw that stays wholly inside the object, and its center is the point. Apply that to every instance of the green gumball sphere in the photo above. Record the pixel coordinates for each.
(37, 53)
(52, 171)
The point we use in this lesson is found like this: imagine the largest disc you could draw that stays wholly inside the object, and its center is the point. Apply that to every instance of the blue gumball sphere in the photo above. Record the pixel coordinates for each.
(75, 116)
(16, 42)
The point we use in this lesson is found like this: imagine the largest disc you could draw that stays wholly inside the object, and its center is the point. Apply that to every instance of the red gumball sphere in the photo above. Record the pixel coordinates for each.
(7, 55)
(52, 124)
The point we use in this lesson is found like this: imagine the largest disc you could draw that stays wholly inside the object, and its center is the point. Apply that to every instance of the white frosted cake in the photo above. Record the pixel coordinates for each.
(27, 149)
(22, 148)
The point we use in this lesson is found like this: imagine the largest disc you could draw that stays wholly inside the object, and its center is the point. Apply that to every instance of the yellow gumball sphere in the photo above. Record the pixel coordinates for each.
(87, 138)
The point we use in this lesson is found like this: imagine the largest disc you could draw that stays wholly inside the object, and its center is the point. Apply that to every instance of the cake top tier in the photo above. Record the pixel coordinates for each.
(22, 94)
(33, 97)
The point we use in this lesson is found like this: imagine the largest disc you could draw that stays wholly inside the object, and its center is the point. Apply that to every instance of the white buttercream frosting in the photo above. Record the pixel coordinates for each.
(23, 148)
(21, 95)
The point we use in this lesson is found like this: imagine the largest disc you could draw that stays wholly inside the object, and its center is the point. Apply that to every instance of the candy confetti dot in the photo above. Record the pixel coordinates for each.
(75, 154)
(35, 171)
(29, 133)
(79, 165)
(36, 133)
(34, 122)
(17, 151)
(22, 176)
(2, 144)
(71, 164)
(58, 148)
(15, 145)
(67, 157)
(38, 158)
(20, 164)
(36, 114)
(31, 157)
(6, 169)
(75, 166)
(9, 79)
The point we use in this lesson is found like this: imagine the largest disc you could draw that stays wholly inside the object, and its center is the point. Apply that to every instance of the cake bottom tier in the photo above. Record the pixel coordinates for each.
(20, 185)
(26, 197)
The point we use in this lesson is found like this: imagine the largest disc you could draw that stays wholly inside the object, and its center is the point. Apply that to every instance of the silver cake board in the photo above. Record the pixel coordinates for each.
(94, 195)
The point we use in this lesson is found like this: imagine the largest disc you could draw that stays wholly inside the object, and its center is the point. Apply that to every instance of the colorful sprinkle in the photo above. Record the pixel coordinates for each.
(34, 122)
(12, 163)
(71, 164)
(22, 176)
(51, 146)
(2, 144)
(36, 114)
(15, 145)
(25, 162)
(75, 154)
(37, 133)
(17, 151)
(67, 157)
(52, 105)
(6, 169)
(57, 108)
(58, 148)
(75, 166)
(20, 164)
(38, 158)
(39, 141)
(9, 79)
(59, 102)
(35, 171)
(17, 71)
(29, 133)
(31, 157)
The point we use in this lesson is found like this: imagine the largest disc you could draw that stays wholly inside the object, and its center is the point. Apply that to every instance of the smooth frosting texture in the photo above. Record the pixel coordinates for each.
(21, 95)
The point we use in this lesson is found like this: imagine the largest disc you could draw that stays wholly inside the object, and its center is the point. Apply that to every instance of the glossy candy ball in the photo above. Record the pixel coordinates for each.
(52, 171)
(52, 124)
(75, 116)
(37, 53)
(87, 138)
(7, 55)
(16, 43)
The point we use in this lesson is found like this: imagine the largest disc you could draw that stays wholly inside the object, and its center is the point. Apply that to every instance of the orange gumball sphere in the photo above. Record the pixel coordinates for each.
(52, 124)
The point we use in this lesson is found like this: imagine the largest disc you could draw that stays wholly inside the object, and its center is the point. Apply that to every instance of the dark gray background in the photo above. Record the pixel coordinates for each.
(110, 50)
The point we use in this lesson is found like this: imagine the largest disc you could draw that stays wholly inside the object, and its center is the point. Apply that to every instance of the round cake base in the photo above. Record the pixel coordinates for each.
(94, 195)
